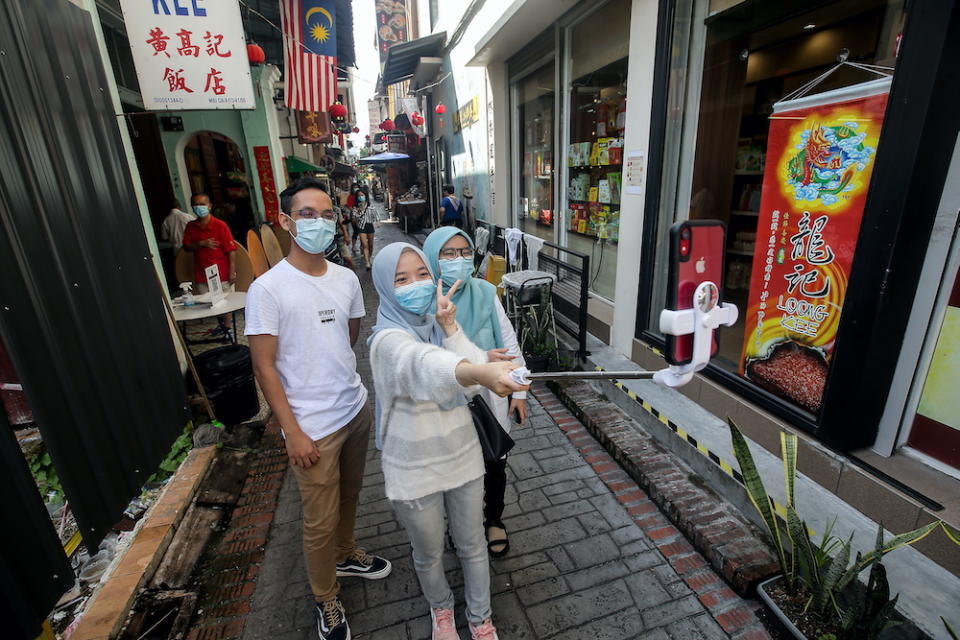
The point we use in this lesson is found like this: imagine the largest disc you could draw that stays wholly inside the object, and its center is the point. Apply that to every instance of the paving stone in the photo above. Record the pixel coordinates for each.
(593, 550)
(671, 611)
(541, 591)
(573, 610)
(596, 574)
(534, 573)
(619, 626)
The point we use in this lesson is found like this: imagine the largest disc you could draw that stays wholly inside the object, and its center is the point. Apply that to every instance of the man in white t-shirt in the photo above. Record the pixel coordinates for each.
(302, 319)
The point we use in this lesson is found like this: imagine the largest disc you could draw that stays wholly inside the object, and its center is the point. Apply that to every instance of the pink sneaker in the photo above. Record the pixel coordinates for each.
(444, 627)
(486, 631)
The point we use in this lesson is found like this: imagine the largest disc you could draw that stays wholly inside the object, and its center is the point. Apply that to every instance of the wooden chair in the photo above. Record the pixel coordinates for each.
(258, 258)
(183, 266)
(283, 238)
(271, 246)
(244, 266)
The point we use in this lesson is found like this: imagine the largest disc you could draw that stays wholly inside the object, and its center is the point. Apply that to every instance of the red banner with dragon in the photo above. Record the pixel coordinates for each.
(820, 156)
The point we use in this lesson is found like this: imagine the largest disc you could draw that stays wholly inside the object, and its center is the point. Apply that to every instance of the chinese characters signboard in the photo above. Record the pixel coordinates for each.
(268, 186)
(467, 115)
(314, 126)
(820, 156)
(391, 25)
(189, 54)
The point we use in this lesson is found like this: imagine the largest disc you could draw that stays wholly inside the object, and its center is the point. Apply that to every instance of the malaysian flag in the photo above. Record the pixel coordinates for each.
(310, 53)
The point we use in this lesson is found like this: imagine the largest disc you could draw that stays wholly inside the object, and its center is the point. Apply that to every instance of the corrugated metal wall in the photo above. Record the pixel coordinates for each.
(80, 309)
(33, 569)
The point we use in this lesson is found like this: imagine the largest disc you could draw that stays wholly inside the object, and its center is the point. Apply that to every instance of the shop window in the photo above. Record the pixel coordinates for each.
(597, 67)
(534, 96)
(789, 179)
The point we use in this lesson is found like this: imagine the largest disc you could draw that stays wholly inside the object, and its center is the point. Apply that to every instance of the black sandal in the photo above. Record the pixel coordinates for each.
(499, 546)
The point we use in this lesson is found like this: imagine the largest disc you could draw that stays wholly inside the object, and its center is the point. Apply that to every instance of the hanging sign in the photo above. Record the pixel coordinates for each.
(314, 126)
(268, 186)
(820, 156)
(189, 54)
(391, 25)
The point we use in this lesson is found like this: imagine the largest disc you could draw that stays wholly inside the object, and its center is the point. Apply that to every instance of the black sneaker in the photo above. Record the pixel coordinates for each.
(361, 564)
(332, 621)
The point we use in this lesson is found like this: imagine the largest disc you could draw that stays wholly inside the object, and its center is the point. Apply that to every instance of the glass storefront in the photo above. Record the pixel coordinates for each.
(535, 95)
(573, 198)
(766, 132)
(596, 65)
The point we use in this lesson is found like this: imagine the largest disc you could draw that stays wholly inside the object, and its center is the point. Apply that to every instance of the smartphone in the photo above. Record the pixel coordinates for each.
(696, 255)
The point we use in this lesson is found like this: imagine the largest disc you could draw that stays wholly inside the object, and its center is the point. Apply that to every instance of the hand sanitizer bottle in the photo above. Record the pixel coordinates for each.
(187, 296)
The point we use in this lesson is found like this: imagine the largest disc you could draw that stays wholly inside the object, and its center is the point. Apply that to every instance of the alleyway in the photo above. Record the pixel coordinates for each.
(579, 567)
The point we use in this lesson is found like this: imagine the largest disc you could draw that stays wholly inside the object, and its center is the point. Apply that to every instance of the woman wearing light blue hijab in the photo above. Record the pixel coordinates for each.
(450, 254)
(423, 368)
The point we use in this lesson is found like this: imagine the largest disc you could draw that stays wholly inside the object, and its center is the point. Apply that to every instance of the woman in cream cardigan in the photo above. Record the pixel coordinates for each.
(423, 367)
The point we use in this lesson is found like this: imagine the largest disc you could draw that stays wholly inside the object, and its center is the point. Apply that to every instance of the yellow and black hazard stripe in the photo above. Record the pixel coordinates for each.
(780, 509)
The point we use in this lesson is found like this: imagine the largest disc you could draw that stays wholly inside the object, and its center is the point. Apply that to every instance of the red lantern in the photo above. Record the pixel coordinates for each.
(356, 129)
(440, 109)
(387, 125)
(337, 111)
(367, 137)
(255, 54)
(416, 119)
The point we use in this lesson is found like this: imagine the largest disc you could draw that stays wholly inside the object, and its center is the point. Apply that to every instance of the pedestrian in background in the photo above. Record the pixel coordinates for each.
(452, 207)
(173, 226)
(432, 464)
(303, 317)
(480, 313)
(211, 242)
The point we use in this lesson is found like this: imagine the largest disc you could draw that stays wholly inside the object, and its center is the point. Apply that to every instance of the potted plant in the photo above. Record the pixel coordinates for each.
(817, 595)
(538, 335)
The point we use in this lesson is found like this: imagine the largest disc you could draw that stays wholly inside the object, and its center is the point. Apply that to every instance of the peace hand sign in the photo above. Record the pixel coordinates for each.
(447, 311)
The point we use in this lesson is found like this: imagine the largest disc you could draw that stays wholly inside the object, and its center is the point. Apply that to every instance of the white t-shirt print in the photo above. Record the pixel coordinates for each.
(317, 365)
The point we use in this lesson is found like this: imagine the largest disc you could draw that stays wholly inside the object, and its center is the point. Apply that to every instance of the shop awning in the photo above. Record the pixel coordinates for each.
(299, 165)
(403, 59)
(386, 156)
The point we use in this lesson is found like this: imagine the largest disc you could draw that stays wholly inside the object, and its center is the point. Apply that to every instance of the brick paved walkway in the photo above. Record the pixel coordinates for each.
(581, 566)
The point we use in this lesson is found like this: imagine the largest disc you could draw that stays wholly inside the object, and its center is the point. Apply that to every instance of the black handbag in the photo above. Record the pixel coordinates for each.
(494, 441)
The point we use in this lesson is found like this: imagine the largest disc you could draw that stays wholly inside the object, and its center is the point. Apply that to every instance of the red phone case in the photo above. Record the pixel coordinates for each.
(696, 255)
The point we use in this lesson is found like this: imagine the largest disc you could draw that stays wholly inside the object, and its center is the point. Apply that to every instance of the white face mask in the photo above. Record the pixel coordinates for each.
(314, 235)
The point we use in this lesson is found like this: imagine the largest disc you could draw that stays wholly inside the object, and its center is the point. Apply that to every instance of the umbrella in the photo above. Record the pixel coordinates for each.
(386, 156)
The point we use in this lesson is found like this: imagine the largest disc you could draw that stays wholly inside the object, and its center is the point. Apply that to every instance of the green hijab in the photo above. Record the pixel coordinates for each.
(476, 309)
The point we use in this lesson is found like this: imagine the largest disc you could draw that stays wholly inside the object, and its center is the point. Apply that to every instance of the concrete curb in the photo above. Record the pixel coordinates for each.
(107, 612)
(717, 530)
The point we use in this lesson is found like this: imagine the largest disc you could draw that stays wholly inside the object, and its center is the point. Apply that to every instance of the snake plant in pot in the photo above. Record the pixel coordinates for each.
(817, 595)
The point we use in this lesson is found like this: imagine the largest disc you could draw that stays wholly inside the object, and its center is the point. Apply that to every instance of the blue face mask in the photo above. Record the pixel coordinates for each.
(201, 210)
(455, 269)
(314, 235)
(416, 297)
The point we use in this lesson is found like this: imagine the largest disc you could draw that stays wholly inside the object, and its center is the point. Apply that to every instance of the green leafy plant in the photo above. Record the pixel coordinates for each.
(821, 571)
(537, 333)
(870, 610)
(41, 468)
(178, 451)
(953, 634)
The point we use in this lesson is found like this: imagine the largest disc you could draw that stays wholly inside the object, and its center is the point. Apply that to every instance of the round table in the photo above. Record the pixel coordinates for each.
(231, 303)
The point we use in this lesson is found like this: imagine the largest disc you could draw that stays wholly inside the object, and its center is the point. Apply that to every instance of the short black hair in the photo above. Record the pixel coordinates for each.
(198, 195)
(295, 187)
(448, 188)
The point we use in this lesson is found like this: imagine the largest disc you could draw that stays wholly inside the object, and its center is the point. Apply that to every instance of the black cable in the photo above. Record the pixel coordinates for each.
(601, 242)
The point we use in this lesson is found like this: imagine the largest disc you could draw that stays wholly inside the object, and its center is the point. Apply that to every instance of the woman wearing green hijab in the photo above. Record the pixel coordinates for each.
(483, 319)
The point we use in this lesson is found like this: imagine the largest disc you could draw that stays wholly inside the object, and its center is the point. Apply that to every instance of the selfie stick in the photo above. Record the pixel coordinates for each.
(706, 315)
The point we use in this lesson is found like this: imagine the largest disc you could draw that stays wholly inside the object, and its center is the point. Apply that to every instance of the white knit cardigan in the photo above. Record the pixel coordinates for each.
(426, 448)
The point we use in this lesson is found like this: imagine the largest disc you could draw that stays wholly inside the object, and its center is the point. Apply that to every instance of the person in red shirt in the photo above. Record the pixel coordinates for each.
(211, 242)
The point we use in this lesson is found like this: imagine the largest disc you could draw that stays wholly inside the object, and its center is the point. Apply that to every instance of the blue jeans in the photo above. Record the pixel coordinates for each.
(423, 520)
